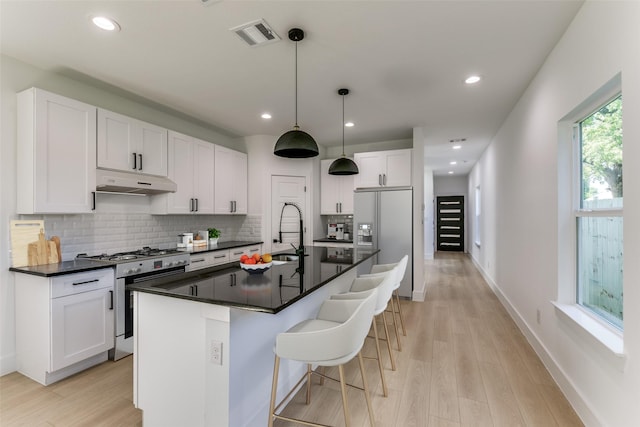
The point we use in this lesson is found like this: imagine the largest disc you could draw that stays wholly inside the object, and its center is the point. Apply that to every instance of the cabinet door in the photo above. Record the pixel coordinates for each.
(131, 145)
(346, 194)
(371, 166)
(181, 172)
(240, 188)
(116, 142)
(230, 181)
(81, 326)
(203, 178)
(397, 168)
(56, 154)
(153, 147)
(329, 190)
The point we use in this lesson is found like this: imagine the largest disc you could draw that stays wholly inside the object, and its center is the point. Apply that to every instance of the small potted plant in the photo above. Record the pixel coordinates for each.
(214, 235)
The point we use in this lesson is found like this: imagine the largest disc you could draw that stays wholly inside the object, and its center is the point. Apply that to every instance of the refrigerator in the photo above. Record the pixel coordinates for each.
(383, 219)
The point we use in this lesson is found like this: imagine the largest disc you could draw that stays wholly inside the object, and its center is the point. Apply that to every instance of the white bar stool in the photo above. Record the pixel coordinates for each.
(333, 338)
(384, 283)
(402, 267)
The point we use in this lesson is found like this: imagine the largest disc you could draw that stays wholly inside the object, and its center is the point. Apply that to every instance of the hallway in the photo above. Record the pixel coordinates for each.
(463, 363)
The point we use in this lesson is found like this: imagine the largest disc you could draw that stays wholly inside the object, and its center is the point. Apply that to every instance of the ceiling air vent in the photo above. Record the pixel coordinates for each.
(256, 33)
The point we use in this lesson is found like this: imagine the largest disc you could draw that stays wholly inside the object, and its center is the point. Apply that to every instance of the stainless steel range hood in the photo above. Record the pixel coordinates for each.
(124, 182)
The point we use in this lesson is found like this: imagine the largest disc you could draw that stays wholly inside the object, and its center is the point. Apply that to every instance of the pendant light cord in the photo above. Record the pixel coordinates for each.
(343, 126)
(296, 68)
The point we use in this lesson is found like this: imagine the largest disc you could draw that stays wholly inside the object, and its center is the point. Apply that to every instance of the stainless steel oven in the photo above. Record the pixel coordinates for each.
(134, 267)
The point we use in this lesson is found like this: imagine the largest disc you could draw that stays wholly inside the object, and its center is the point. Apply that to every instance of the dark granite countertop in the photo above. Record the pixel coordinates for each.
(270, 292)
(328, 240)
(64, 267)
(221, 246)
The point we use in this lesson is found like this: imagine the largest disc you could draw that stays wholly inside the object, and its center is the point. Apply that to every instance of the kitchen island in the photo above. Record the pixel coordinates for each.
(203, 341)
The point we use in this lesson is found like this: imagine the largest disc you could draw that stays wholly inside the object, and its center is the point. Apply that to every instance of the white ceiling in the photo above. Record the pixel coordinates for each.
(404, 62)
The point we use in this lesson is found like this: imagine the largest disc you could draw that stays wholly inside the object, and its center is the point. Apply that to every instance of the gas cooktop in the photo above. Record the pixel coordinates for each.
(144, 253)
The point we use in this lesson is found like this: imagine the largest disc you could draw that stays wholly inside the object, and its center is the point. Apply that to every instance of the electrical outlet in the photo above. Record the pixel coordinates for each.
(216, 352)
(538, 316)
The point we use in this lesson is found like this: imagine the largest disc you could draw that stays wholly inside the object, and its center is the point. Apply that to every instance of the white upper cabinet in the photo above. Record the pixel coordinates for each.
(56, 154)
(383, 168)
(191, 163)
(230, 181)
(131, 145)
(336, 191)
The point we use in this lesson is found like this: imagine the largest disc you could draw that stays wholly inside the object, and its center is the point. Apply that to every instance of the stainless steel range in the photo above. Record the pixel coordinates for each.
(134, 267)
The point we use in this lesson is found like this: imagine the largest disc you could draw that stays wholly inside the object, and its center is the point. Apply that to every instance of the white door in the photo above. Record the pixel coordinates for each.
(287, 189)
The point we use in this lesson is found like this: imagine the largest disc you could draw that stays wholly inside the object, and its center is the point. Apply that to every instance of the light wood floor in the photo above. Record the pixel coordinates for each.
(463, 363)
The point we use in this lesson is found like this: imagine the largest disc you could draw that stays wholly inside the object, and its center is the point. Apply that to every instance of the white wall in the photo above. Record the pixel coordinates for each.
(518, 178)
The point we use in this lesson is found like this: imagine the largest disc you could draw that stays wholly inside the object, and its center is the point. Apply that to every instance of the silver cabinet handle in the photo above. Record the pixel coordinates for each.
(337, 208)
(140, 162)
(253, 250)
(230, 205)
(219, 256)
(384, 179)
(193, 261)
(196, 205)
(379, 179)
(340, 207)
(135, 159)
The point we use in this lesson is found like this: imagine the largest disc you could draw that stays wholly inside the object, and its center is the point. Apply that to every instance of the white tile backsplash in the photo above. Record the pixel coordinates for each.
(119, 232)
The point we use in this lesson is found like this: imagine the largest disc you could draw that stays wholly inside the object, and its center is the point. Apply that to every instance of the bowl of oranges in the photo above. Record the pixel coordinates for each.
(255, 264)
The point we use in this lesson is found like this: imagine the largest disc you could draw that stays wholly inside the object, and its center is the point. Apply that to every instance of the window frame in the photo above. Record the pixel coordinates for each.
(578, 211)
(596, 334)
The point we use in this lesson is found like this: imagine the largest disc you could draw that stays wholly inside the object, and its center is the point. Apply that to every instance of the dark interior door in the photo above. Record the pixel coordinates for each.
(450, 223)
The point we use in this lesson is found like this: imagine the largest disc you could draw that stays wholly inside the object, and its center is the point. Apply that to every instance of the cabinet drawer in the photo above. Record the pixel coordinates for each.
(76, 283)
(207, 259)
(235, 254)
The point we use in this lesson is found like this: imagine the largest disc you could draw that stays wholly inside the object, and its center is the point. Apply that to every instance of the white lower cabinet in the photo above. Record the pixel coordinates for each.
(64, 324)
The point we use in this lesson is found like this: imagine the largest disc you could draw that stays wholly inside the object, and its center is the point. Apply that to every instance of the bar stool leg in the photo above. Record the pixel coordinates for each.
(386, 330)
(404, 331)
(365, 385)
(308, 383)
(395, 324)
(384, 382)
(274, 387)
(343, 389)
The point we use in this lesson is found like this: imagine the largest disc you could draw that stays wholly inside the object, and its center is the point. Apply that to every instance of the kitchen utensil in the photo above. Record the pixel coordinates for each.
(23, 232)
(56, 241)
(42, 251)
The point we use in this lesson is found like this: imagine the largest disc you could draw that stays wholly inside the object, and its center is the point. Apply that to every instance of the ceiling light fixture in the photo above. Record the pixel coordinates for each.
(472, 79)
(349, 124)
(343, 165)
(296, 143)
(105, 23)
(266, 116)
(450, 172)
(453, 163)
(457, 147)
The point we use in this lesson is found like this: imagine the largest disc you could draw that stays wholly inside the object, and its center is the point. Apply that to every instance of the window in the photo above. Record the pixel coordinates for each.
(598, 211)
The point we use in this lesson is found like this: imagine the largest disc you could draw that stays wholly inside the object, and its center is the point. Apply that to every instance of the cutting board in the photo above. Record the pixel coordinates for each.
(29, 246)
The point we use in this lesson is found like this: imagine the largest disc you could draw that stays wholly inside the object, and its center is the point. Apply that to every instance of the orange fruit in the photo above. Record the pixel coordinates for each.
(256, 257)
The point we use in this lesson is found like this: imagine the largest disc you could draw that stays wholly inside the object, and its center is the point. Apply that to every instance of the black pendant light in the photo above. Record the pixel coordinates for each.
(343, 165)
(296, 144)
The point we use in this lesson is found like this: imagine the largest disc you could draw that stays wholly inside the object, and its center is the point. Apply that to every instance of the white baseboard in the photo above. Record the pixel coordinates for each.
(419, 294)
(565, 384)
(8, 364)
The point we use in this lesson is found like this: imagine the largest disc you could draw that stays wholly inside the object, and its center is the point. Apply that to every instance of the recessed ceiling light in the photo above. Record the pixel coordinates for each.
(457, 147)
(105, 23)
(453, 163)
(472, 79)
(266, 116)
(450, 172)
(349, 124)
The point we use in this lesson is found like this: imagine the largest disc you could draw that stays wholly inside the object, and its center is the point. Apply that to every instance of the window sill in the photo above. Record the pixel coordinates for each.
(610, 338)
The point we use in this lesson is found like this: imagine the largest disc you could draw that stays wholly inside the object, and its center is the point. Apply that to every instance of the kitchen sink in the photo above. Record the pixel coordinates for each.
(285, 257)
